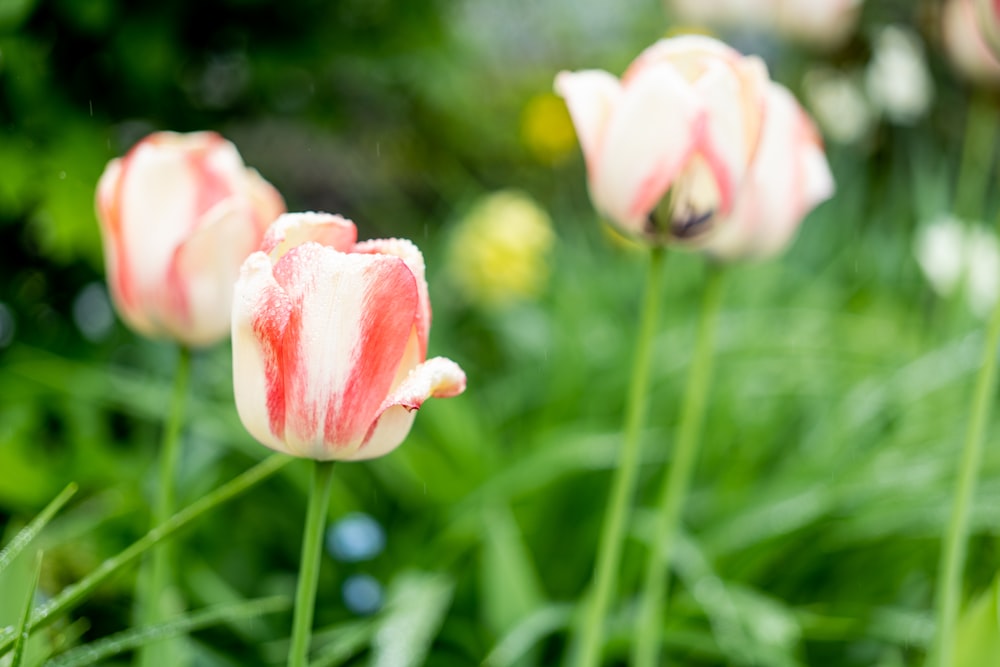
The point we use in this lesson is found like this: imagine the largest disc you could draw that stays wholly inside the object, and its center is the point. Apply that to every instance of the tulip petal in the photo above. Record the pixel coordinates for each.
(293, 229)
(590, 96)
(261, 310)
(788, 178)
(351, 318)
(655, 127)
(265, 200)
(414, 259)
(116, 253)
(437, 377)
(201, 276)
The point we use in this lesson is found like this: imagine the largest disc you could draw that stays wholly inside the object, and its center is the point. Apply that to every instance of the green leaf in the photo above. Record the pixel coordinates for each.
(415, 608)
(95, 652)
(29, 532)
(510, 584)
(526, 634)
(73, 595)
(342, 642)
(977, 636)
(14, 12)
(22, 627)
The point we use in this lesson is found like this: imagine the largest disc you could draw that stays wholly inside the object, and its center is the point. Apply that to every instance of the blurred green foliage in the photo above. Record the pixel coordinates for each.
(839, 400)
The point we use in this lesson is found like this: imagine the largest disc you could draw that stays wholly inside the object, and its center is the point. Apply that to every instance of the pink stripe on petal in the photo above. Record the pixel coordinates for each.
(414, 259)
(390, 304)
(347, 331)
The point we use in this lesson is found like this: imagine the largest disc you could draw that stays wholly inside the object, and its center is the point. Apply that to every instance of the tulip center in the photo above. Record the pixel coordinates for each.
(691, 202)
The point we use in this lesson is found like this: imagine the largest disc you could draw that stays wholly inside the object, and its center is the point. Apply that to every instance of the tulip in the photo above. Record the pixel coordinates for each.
(672, 148)
(965, 34)
(685, 117)
(330, 341)
(178, 215)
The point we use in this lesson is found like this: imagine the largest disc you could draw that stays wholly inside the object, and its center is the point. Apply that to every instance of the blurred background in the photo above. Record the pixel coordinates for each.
(843, 373)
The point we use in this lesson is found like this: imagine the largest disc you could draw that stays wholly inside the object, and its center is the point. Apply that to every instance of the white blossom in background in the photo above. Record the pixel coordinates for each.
(819, 24)
(897, 79)
(957, 257)
(839, 104)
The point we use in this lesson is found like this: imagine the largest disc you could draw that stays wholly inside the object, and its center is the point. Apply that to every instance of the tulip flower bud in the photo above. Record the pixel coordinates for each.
(672, 148)
(178, 215)
(330, 341)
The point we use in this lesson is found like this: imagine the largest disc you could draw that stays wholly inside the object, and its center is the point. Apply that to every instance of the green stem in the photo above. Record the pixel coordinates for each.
(312, 550)
(970, 195)
(591, 634)
(73, 595)
(953, 550)
(676, 482)
(156, 578)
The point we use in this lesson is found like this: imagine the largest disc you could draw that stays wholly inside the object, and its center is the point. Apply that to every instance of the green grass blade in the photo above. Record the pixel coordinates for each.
(29, 532)
(415, 609)
(129, 640)
(21, 641)
(73, 595)
(524, 636)
(343, 643)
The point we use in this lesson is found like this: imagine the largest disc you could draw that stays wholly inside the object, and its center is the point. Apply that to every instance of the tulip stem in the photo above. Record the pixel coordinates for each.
(312, 550)
(156, 578)
(677, 480)
(977, 153)
(954, 547)
(591, 634)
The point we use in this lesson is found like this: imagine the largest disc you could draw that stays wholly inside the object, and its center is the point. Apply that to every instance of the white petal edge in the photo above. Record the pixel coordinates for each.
(591, 96)
(249, 369)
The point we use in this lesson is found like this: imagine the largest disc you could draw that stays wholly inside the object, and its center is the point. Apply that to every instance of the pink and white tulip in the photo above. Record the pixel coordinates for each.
(330, 341)
(965, 32)
(178, 214)
(685, 119)
(671, 148)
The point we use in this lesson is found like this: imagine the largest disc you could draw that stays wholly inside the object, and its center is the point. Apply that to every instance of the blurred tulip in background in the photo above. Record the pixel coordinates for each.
(179, 214)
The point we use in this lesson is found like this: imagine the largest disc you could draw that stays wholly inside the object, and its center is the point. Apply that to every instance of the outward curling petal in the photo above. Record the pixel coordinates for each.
(437, 378)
